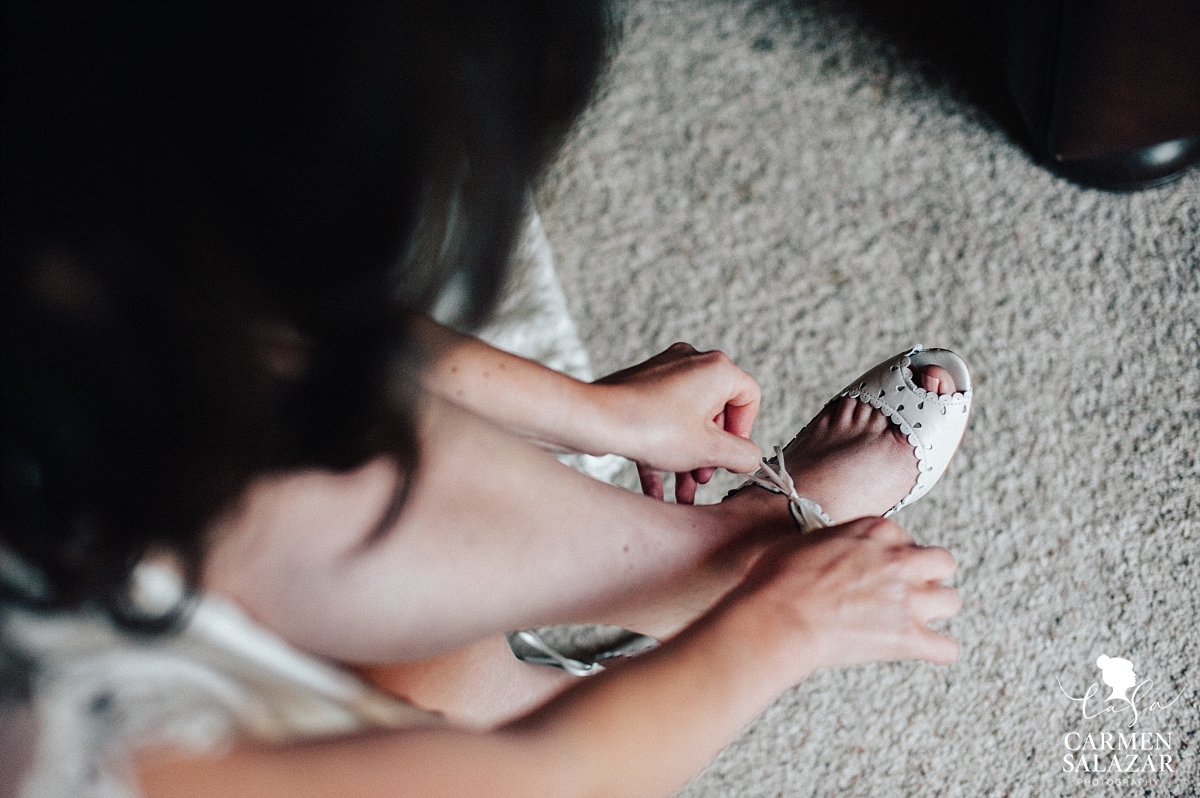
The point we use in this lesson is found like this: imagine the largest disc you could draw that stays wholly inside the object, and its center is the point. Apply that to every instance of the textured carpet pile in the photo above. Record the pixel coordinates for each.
(791, 185)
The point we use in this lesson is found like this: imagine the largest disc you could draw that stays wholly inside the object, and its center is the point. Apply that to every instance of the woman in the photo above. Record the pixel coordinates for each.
(221, 228)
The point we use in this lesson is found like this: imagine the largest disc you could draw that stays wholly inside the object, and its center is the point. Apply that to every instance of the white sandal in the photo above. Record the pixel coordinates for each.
(934, 425)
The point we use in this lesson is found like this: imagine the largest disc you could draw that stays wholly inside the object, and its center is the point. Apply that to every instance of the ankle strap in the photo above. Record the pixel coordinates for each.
(807, 514)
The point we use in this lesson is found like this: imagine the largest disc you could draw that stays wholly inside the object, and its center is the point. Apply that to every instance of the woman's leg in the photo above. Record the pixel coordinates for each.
(495, 535)
(480, 686)
(853, 463)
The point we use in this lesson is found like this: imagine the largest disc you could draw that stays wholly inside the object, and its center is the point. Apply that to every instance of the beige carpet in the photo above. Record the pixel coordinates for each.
(804, 188)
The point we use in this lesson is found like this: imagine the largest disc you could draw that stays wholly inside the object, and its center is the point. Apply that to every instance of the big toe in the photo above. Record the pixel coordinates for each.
(935, 379)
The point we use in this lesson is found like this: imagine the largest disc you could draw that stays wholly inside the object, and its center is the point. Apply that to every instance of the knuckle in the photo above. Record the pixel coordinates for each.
(880, 528)
(899, 558)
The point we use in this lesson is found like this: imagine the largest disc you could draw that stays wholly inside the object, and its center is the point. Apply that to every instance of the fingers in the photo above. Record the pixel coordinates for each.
(742, 400)
(920, 563)
(933, 647)
(935, 602)
(927, 604)
(871, 593)
(742, 408)
(740, 455)
(703, 475)
(930, 564)
(653, 484)
(684, 410)
(868, 593)
(685, 488)
(651, 480)
(736, 451)
(686, 483)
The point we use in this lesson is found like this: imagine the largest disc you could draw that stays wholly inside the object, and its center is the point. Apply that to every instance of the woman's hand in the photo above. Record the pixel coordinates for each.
(855, 593)
(684, 411)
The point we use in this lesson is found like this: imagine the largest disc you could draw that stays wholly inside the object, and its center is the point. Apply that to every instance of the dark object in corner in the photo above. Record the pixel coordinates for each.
(1108, 89)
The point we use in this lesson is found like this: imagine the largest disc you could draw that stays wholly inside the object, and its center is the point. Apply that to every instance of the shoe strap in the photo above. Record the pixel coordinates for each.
(549, 655)
(807, 514)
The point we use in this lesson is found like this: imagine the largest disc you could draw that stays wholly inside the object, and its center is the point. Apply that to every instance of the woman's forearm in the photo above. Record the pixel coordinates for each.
(678, 709)
(678, 411)
(528, 399)
(642, 729)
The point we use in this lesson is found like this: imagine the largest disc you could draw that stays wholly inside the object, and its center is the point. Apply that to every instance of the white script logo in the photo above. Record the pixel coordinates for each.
(1120, 753)
(1118, 674)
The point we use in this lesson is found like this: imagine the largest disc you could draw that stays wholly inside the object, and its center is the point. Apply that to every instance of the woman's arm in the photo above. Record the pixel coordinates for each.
(640, 730)
(679, 411)
(856, 593)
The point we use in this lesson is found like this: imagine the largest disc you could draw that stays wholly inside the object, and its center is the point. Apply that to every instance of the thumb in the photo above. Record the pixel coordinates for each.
(740, 455)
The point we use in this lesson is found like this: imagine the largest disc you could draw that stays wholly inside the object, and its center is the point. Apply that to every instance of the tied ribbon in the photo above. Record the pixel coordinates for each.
(806, 513)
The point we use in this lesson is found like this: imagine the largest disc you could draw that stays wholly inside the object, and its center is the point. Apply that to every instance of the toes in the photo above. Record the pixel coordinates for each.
(863, 412)
(858, 415)
(935, 379)
(847, 410)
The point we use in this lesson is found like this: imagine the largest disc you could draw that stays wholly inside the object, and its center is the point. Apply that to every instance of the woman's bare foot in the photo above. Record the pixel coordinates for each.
(852, 460)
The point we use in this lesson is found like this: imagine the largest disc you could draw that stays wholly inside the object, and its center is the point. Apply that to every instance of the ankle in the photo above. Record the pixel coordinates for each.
(757, 511)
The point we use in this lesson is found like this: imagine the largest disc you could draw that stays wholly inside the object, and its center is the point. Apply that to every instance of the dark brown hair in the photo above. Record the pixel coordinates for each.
(215, 220)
